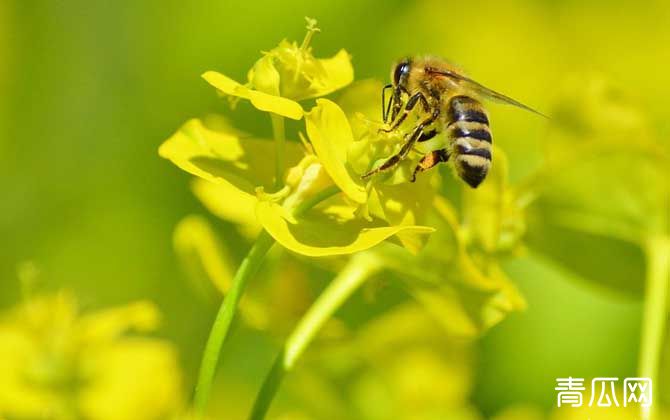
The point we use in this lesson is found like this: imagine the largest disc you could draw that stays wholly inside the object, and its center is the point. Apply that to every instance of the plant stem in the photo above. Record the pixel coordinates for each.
(315, 199)
(357, 270)
(224, 318)
(279, 134)
(654, 322)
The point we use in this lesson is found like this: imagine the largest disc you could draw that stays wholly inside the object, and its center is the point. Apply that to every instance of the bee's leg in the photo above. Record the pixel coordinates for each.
(396, 102)
(386, 107)
(411, 103)
(427, 136)
(430, 160)
(406, 148)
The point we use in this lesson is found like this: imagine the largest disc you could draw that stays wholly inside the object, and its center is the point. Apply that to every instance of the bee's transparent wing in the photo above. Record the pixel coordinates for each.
(483, 90)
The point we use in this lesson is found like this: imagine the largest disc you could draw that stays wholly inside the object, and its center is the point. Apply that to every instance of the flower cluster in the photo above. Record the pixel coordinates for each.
(59, 364)
(243, 181)
(237, 182)
(312, 200)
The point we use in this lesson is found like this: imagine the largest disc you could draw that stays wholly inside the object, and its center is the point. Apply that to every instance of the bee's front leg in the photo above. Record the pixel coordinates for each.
(411, 103)
(407, 147)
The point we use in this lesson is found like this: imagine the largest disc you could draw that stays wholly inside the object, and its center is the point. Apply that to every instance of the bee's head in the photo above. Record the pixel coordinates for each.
(401, 72)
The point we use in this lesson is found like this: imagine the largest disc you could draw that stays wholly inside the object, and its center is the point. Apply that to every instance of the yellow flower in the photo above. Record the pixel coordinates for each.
(57, 363)
(361, 217)
(399, 365)
(242, 173)
(286, 74)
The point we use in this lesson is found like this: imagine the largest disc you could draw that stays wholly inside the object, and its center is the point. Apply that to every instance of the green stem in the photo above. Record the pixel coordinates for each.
(315, 199)
(359, 269)
(654, 322)
(224, 317)
(279, 133)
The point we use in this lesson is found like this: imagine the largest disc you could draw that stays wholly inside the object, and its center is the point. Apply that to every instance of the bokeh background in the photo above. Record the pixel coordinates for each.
(89, 90)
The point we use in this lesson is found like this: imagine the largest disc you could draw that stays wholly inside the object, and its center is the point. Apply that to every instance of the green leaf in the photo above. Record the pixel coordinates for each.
(593, 217)
(604, 259)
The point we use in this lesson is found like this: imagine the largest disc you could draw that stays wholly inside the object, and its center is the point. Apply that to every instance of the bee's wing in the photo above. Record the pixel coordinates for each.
(483, 90)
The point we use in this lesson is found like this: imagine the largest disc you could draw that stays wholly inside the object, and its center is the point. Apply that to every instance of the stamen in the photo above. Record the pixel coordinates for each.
(311, 30)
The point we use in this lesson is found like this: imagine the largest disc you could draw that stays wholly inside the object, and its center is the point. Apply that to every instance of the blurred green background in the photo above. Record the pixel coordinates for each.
(89, 90)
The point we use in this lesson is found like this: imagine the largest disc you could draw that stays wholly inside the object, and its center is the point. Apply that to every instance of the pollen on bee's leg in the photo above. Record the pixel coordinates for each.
(430, 160)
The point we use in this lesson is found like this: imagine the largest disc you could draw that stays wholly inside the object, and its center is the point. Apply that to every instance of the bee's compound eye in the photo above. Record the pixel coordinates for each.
(400, 70)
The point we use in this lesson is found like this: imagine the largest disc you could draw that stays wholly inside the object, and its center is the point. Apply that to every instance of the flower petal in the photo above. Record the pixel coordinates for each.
(338, 73)
(471, 304)
(262, 101)
(131, 378)
(109, 324)
(208, 263)
(494, 218)
(404, 204)
(319, 235)
(221, 157)
(202, 254)
(461, 292)
(230, 204)
(360, 102)
(331, 135)
(265, 76)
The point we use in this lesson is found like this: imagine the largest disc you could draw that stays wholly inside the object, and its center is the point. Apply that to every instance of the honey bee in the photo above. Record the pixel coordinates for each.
(451, 102)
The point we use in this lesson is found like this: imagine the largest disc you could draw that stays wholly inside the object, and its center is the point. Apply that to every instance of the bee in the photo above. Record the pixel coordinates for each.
(452, 104)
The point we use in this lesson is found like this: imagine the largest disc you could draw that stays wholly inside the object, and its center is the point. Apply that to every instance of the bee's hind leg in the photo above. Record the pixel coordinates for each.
(430, 160)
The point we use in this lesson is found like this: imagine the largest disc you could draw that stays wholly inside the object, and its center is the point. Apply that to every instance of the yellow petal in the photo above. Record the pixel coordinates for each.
(487, 206)
(202, 254)
(404, 204)
(109, 324)
(207, 262)
(222, 157)
(262, 101)
(467, 301)
(133, 378)
(331, 135)
(361, 103)
(319, 235)
(265, 76)
(338, 73)
(230, 204)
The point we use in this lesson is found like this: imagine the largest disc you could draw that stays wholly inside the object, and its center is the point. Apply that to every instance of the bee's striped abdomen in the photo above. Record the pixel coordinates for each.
(470, 139)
